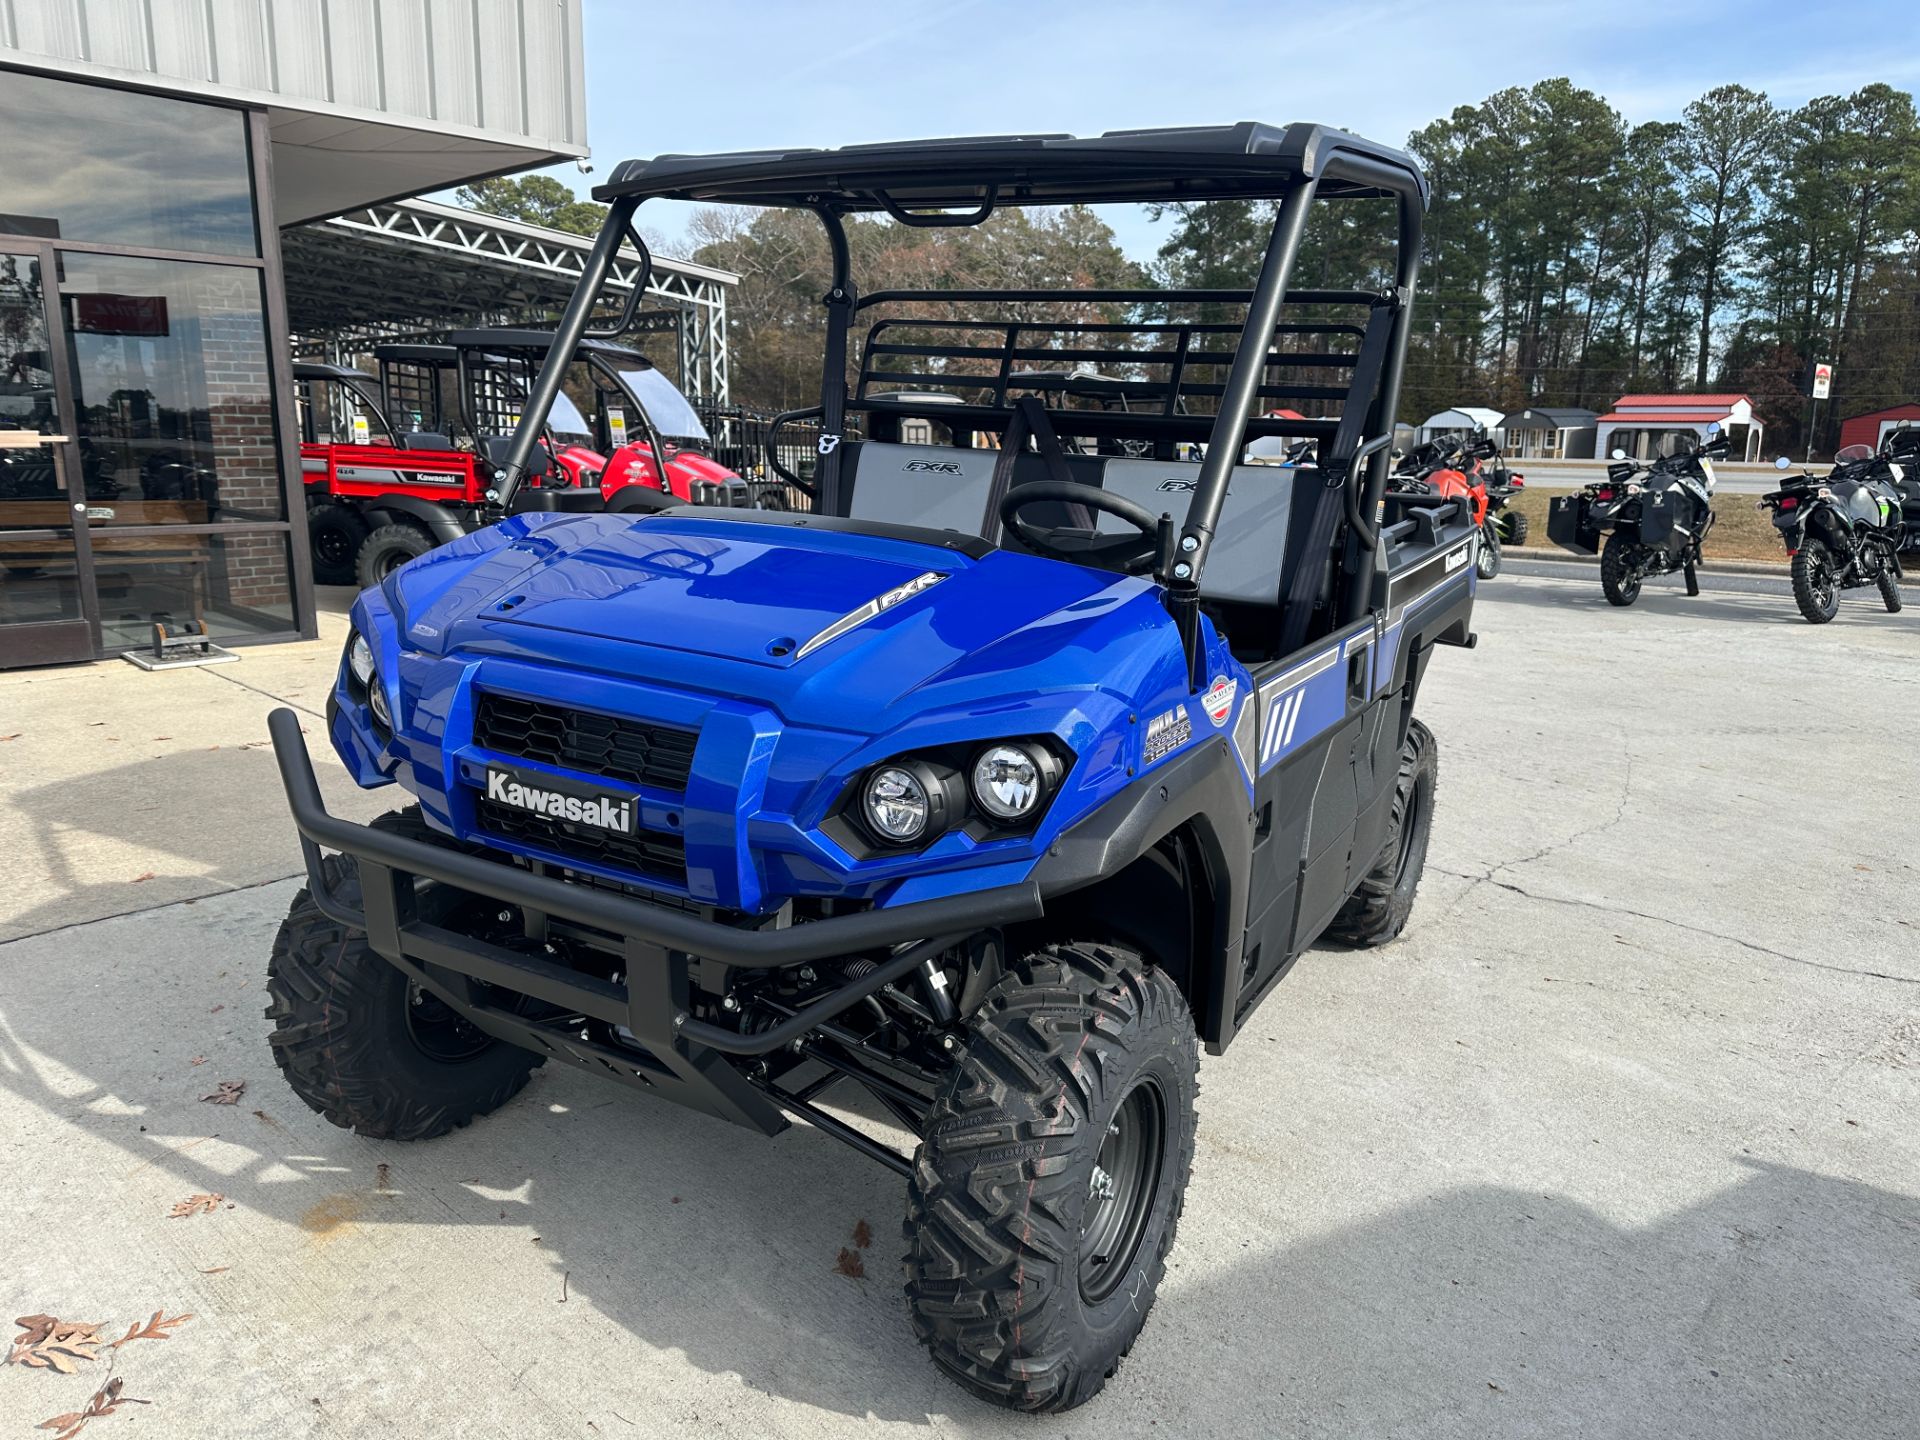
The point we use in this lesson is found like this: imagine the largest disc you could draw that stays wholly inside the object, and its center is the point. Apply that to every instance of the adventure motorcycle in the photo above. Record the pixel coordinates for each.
(1842, 530)
(1449, 466)
(1653, 517)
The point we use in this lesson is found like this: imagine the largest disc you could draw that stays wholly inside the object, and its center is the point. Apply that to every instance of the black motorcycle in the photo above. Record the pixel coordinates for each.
(1653, 518)
(1842, 530)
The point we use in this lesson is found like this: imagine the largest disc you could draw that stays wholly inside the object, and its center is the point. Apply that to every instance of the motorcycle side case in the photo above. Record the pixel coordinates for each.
(1569, 524)
(1657, 514)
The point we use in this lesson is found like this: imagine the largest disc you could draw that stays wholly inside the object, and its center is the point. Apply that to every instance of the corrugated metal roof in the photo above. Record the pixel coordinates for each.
(1560, 417)
(500, 71)
(1683, 417)
(1675, 402)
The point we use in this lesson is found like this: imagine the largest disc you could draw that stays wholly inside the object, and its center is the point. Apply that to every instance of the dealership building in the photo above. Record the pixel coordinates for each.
(155, 150)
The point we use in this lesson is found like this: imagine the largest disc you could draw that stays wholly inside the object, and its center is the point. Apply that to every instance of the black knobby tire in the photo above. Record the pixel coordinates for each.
(1083, 1055)
(1619, 579)
(335, 534)
(1691, 570)
(1377, 910)
(359, 1044)
(1889, 584)
(1513, 530)
(1487, 564)
(386, 550)
(1816, 589)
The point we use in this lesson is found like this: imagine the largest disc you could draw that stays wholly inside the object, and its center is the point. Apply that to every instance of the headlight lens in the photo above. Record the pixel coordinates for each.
(1007, 781)
(896, 804)
(360, 660)
(377, 702)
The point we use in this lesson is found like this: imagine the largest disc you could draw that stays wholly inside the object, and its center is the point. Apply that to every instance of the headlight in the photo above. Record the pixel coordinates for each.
(896, 805)
(360, 660)
(377, 702)
(1007, 782)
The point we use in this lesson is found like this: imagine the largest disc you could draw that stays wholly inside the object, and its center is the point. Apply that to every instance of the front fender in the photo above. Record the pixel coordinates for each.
(1206, 792)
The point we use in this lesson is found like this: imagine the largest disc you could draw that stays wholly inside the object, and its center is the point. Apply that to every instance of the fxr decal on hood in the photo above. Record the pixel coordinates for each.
(879, 605)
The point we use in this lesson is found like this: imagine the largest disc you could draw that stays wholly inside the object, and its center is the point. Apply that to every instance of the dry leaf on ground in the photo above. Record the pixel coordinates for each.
(105, 1401)
(141, 879)
(229, 1092)
(198, 1060)
(862, 1235)
(53, 1344)
(850, 1264)
(193, 1205)
(154, 1329)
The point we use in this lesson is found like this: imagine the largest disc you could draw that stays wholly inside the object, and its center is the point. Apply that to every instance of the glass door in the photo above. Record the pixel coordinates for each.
(46, 576)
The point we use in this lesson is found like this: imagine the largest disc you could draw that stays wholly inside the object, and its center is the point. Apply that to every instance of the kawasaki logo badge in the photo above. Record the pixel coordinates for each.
(607, 812)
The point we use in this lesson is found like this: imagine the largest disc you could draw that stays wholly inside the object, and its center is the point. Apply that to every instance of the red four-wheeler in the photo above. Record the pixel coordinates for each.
(392, 472)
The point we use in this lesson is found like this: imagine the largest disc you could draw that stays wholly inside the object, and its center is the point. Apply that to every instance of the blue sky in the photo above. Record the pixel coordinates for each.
(728, 74)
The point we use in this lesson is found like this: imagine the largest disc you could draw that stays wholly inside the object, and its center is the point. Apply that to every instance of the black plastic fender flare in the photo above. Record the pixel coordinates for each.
(1205, 790)
(437, 520)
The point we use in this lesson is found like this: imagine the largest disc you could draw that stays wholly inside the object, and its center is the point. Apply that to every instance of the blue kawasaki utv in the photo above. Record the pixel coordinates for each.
(985, 791)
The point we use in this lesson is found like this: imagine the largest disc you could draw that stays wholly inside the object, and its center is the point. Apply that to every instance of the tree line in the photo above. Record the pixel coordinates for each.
(1569, 257)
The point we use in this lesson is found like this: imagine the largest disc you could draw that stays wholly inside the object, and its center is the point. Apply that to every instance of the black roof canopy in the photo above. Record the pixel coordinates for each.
(504, 338)
(1248, 160)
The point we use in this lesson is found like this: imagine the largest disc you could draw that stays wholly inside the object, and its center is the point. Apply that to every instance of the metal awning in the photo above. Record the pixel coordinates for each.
(417, 270)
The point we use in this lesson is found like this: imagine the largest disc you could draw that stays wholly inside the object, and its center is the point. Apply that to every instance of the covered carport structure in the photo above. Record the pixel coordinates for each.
(418, 270)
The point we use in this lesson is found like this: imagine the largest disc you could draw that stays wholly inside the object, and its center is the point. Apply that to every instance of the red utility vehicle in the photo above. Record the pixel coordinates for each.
(397, 465)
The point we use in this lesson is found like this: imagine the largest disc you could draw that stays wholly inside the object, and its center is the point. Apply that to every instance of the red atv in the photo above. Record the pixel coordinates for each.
(391, 472)
(1451, 466)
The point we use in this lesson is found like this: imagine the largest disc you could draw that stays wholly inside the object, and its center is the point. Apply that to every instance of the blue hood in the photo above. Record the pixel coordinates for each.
(750, 594)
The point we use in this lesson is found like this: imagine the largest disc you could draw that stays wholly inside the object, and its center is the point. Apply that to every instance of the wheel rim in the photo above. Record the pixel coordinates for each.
(1409, 828)
(1121, 1189)
(392, 561)
(441, 1032)
(1820, 581)
(330, 543)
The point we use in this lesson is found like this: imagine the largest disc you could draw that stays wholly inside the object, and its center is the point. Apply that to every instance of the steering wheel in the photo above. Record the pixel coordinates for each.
(1129, 554)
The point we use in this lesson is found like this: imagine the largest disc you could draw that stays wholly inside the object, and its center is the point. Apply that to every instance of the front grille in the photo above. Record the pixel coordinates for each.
(633, 751)
(646, 852)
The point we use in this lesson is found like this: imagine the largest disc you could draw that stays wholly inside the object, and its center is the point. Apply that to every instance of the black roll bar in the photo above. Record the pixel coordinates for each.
(840, 301)
(1243, 380)
(567, 335)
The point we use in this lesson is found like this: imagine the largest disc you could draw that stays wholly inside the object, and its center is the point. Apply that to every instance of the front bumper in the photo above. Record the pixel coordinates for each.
(676, 1054)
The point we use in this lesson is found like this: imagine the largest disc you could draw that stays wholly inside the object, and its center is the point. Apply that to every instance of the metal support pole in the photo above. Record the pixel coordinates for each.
(1243, 382)
(839, 301)
(566, 339)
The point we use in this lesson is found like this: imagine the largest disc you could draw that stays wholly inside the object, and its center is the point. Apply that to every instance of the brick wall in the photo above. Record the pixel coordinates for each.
(248, 570)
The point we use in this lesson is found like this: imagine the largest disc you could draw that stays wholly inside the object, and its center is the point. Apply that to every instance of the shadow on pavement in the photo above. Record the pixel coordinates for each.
(1786, 1304)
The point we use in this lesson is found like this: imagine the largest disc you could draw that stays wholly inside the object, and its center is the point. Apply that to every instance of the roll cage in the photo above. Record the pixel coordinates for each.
(1212, 376)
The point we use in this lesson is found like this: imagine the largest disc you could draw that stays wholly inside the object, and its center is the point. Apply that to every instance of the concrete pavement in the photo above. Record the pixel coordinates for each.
(1617, 1141)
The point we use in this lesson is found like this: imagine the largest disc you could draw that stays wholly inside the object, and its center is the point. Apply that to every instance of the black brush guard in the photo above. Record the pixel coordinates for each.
(675, 1055)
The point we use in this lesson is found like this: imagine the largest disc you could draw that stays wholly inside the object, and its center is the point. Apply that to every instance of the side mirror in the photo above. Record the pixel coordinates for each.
(1618, 454)
(1783, 463)
(1713, 431)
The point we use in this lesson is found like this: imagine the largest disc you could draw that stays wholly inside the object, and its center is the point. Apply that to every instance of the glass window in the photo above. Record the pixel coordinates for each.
(172, 390)
(238, 584)
(112, 167)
